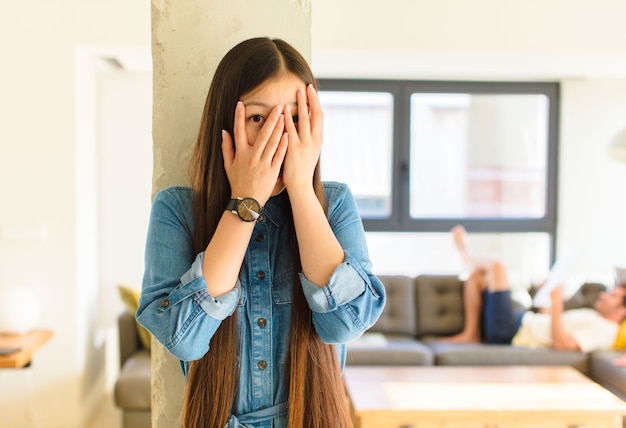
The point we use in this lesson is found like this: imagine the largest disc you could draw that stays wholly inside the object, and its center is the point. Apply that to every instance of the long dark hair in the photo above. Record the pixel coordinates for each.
(316, 391)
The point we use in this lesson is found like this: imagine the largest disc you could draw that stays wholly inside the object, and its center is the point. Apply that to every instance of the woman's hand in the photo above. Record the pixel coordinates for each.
(253, 167)
(320, 250)
(305, 141)
(561, 339)
(556, 296)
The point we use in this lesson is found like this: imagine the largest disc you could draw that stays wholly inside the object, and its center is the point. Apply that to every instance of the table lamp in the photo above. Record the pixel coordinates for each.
(19, 310)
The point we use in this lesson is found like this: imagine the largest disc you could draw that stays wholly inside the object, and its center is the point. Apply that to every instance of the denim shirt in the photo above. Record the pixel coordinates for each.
(177, 309)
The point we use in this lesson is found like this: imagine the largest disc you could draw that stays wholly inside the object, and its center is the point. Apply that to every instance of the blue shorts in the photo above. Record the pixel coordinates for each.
(500, 321)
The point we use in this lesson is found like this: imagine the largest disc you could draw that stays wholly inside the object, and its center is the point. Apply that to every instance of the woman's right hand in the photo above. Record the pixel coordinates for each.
(253, 164)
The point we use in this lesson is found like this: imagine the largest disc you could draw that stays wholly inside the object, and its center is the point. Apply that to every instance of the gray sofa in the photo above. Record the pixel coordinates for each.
(132, 388)
(420, 310)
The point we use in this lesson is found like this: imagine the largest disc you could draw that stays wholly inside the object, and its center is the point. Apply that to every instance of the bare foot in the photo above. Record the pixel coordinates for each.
(460, 238)
(462, 337)
(471, 259)
(459, 234)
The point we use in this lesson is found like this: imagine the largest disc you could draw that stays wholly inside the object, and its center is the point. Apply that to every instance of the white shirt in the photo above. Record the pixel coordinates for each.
(588, 328)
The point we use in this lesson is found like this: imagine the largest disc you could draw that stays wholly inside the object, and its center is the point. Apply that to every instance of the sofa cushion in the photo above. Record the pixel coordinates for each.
(439, 303)
(480, 354)
(396, 350)
(605, 372)
(132, 388)
(129, 341)
(398, 317)
(130, 297)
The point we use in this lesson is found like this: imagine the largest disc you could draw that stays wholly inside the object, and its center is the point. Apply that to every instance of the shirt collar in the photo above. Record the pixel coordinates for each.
(277, 208)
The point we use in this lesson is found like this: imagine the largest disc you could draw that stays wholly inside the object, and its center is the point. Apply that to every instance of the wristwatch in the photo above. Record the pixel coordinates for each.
(248, 209)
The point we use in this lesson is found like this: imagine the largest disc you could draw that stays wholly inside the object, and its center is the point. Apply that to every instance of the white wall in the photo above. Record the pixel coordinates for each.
(125, 184)
(124, 125)
(592, 204)
(41, 157)
(479, 25)
(469, 39)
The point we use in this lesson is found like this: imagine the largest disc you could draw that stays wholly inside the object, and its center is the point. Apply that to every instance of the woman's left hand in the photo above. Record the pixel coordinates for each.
(556, 295)
(305, 141)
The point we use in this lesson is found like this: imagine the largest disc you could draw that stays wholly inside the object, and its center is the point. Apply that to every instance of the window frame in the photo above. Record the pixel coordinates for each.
(401, 90)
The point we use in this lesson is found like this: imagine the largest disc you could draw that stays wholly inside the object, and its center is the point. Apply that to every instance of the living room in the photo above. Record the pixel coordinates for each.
(578, 44)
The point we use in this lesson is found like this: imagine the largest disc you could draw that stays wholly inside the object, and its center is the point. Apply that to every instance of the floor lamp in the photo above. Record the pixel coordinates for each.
(617, 151)
(617, 147)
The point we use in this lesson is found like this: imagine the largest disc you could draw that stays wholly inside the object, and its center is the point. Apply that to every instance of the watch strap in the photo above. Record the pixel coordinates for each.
(231, 205)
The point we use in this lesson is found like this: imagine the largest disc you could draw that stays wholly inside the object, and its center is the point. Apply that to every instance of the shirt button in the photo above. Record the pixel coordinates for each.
(165, 303)
(262, 323)
(260, 275)
(262, 365)
(259, 238)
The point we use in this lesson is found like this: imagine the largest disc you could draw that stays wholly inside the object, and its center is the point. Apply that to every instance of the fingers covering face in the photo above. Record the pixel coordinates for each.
(317, 115)
(310, 115)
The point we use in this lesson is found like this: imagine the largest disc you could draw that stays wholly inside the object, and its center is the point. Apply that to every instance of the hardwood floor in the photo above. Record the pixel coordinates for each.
(107, 415)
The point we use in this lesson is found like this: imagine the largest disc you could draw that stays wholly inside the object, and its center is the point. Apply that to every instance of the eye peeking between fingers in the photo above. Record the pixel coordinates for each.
(256, 119)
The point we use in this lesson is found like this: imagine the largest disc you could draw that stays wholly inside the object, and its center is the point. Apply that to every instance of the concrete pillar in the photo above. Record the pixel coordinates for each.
(188, 40)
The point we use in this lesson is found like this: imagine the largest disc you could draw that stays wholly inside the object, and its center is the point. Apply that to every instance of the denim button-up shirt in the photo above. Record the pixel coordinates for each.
(177, 309)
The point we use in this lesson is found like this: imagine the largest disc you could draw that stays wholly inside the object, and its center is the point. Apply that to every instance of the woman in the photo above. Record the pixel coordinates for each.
(258, 275)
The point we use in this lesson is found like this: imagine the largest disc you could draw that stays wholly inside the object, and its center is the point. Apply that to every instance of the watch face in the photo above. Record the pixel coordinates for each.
(249, 209)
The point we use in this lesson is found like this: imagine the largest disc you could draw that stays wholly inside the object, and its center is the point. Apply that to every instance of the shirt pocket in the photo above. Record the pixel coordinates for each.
(282, 288)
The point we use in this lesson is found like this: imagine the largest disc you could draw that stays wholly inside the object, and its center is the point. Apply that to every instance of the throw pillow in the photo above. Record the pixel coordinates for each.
(620, 340)
(130, 297)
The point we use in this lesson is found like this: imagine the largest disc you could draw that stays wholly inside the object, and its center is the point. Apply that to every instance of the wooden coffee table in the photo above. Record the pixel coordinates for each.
(486, 397)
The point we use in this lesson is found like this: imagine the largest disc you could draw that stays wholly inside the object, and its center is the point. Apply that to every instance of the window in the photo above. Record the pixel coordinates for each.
(493, 148)
(361, 122)
(423, 156)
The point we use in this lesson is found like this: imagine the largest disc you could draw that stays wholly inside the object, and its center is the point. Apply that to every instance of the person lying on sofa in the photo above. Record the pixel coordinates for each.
(487, 293)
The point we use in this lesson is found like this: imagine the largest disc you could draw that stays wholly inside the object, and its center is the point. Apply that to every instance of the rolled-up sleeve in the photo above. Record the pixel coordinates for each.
(353, 298)
(344, 286)
(175, 305)
(218, 308)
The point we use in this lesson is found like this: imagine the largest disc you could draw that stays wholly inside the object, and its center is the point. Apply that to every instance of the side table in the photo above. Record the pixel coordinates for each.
(26, 345)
